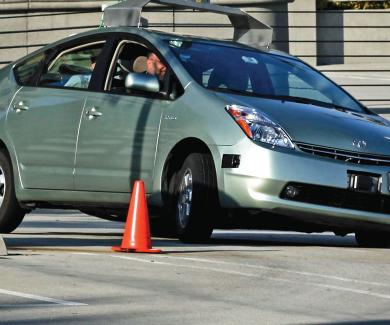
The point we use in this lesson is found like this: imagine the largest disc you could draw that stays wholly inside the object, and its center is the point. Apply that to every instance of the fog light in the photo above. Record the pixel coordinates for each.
(291, 191)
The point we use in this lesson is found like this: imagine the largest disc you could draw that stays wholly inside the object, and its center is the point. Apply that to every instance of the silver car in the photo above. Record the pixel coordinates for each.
(229, 136)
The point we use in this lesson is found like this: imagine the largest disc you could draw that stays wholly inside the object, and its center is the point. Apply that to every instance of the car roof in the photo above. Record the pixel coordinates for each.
(166, 36)
(157, 35)
(223, 42)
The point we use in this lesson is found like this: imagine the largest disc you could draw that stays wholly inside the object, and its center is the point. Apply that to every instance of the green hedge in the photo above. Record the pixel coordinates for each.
(358, 5)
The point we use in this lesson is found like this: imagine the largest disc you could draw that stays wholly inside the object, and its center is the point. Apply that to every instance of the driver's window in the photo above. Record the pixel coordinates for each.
(128, 58)
(148, 74)
(73, 68)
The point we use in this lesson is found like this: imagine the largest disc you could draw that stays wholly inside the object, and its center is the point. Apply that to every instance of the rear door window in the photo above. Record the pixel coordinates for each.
(27, 72)
(73, 68)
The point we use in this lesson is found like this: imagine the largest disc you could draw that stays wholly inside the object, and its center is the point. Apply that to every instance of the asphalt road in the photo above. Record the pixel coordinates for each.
(60, 270)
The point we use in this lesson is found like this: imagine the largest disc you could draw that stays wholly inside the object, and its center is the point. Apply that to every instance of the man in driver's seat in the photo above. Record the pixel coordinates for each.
(155, 67)
(150, 64)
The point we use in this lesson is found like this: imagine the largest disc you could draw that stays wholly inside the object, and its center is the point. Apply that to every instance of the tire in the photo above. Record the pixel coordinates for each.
(196, 198)
(373, 239)
(11, 214)
(165, 224)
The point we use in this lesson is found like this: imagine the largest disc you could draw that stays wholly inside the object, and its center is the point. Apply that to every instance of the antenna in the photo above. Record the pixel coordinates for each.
(247, 29)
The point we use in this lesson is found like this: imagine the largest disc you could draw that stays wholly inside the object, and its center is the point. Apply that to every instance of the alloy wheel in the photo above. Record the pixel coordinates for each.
(184, 203)
(2, 186)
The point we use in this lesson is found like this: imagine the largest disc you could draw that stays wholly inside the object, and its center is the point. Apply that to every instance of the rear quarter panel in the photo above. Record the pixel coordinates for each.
(8, 88)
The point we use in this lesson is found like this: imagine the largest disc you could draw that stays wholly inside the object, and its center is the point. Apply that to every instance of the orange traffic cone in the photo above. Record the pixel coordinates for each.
(136, 237)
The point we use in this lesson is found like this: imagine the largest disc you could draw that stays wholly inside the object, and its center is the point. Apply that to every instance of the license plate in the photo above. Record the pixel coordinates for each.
(369, 183)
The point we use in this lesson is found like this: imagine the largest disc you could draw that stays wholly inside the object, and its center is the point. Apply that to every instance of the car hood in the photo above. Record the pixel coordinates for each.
(321, 126)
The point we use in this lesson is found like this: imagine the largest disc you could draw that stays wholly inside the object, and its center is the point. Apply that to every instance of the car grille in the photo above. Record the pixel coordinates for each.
(339, 198)
(346, 156)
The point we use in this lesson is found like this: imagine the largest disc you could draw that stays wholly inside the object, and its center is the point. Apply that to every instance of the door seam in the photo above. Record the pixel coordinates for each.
(77, 143)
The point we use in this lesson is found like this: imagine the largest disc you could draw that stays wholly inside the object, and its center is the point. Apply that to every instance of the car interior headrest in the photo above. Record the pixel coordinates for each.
(139, 65)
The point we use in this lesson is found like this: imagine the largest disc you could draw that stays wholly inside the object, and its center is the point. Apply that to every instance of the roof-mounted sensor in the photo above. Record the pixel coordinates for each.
(247, 29)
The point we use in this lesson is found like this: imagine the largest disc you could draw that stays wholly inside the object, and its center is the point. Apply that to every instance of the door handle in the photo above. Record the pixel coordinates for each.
(20, 106)
(93, 113)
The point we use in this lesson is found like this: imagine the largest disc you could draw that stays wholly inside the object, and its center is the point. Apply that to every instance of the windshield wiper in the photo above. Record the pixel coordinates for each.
(234, 91)
(295, 99)
(309, 101)
(302, 100)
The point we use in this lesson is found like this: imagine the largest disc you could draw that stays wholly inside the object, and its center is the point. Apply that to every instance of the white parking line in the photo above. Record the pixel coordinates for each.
(239, 273)
(40, 298)
(271, 268)
(21, 306)
(251, 275)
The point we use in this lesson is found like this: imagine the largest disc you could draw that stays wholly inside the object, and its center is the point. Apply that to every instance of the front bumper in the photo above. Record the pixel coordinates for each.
(264, 173)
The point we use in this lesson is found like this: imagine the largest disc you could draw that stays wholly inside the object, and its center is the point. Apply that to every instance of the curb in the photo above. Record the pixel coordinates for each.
(3, 248)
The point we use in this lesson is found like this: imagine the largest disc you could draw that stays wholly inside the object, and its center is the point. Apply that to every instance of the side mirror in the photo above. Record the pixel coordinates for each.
(141, 81)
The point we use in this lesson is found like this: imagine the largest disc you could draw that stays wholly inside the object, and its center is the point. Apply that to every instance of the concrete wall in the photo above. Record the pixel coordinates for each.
(303, 30)
(338, 36)
(318, 37)
(353, 36)
(28, 25)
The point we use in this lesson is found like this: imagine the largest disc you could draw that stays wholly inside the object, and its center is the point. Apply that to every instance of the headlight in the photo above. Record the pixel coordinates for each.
(258, 127)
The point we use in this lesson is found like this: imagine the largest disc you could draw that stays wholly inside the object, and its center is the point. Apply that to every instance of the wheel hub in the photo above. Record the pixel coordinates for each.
(185, 199)
(2, 186)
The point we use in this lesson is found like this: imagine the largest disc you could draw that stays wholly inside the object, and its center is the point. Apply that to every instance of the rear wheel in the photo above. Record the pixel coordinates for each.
(11, 214)
(196, 198)
(373, 239)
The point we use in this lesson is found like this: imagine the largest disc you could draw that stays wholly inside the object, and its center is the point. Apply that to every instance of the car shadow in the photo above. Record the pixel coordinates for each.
(89, 232)
(46, 241)
(220, 241)
(272, 238)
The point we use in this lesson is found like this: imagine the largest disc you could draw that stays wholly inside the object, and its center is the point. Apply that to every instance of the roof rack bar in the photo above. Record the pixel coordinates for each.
(247, 29)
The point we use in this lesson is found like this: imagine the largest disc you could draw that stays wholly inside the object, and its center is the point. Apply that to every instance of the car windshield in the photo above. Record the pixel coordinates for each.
(250, 72)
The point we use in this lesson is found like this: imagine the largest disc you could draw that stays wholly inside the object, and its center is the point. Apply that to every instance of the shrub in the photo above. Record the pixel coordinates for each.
(358, 5)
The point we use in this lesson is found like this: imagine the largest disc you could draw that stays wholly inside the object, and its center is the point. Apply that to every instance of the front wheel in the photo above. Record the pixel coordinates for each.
(196, 198)
(11, 214)
(374, 239)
